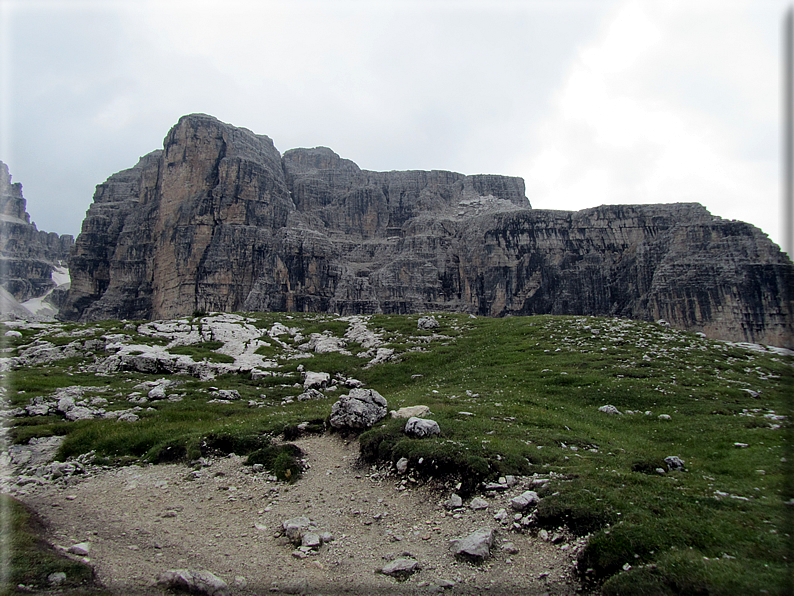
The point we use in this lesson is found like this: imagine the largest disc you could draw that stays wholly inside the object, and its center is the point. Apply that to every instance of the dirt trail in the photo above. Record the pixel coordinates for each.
(141, 521)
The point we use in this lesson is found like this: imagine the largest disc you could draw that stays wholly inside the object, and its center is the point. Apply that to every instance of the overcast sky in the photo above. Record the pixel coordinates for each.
(591, 102)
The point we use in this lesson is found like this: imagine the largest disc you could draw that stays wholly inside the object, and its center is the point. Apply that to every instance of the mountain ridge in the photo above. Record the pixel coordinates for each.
(219, 220)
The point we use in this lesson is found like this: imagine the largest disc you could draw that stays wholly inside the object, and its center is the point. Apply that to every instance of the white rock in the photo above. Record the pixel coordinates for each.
(428, 322)
(316, 380)
(201, 582)
(401, 567)
(81, 549)
(478, 503)
(421, 427)
(475, 546)
(410, 412)
(524, 500)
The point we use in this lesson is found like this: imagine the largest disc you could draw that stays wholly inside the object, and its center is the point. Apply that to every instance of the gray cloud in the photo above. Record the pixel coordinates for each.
(466, 86)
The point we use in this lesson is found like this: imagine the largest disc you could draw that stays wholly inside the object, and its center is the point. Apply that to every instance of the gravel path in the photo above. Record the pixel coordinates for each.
(141, 521)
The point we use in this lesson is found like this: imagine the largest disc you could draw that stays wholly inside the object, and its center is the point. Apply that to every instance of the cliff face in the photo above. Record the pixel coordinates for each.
(27, 255)
(219, 220)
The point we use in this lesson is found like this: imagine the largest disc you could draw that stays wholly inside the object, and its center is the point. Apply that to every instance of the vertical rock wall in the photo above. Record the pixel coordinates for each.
(219, 220)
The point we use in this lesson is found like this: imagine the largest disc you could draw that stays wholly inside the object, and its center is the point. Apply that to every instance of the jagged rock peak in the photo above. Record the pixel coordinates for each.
(28, 256)
(220, 221)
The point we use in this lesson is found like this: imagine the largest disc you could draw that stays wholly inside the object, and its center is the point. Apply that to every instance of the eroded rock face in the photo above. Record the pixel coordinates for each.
(29, 256)
(220, 221)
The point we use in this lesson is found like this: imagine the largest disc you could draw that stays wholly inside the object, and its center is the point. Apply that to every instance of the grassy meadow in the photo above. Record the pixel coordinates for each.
(517, 395)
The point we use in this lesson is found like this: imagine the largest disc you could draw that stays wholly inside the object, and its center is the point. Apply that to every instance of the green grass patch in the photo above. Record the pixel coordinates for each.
(518, 395)
(203, 351)
(32, 560)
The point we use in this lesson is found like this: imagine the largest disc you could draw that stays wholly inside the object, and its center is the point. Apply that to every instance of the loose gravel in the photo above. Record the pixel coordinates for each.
(143, 520)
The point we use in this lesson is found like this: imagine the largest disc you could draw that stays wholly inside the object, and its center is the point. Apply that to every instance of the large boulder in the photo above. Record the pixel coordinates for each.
(358, 410)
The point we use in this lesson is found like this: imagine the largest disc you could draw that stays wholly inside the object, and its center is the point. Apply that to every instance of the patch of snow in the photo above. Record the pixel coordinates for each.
(60, 276)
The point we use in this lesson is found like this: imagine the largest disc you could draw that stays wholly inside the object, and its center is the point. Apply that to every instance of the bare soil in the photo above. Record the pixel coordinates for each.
(143, 520)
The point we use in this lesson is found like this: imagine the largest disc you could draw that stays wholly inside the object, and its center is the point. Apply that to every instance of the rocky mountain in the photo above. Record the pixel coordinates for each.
(219, 220)
(28, 257)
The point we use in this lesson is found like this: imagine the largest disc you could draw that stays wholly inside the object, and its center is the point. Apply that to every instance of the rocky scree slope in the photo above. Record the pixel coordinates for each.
(220, 221)
(28, 257)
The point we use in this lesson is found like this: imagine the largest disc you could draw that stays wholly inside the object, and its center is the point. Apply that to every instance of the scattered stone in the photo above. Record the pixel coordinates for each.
(453, 502)
(674, 462)
(57, 578)
(295, 527)
(665, 417)
(410, 412)
(478, 503)
(200, 582)
(361, 409)
(157, 392)
(402, 465)
(228, 394)
(401, 567)
(496, 486)
(510, 548)
(610, 410)
(524, 500)
(427, 323)
(81, 549)
(311, 394)
(315, 380)
(475, 547)
(311, 540)
(421, 427)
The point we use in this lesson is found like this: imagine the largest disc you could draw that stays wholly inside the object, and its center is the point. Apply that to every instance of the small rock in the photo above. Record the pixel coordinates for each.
(426, 323)
(476, 546)
(510, 548)
(56, 578)
(524, 500)
(295, 527)
(402, 465)
(200, 582)
(410, 412)
(453, 502)
(609, 410)
(478, 503)
(421, 427)
(665, 417)
(315, 380)
(81, 549)
(674, 462)
(401, 567)
(311, 539)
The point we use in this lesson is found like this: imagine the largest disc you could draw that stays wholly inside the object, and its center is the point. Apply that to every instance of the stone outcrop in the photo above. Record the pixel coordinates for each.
(28, 256)
(220, 221)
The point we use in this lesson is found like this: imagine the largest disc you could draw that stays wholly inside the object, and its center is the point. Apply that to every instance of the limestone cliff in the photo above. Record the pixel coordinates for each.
(27, 256)
(219, 220)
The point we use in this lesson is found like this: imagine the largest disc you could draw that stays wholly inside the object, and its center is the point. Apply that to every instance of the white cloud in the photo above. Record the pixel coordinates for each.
(670, 103)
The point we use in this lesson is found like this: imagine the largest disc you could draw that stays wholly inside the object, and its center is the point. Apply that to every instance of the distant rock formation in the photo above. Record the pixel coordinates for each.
(220, 221)
(28, 257)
